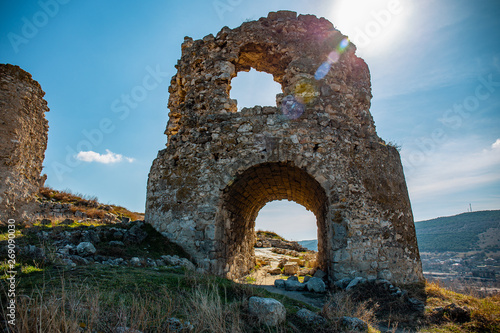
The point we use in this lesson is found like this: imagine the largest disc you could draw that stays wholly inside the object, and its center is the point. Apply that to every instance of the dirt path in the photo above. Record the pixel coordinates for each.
(262, 278)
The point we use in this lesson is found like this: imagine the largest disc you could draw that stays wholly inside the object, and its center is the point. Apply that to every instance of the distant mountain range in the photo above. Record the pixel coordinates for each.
(465, 232)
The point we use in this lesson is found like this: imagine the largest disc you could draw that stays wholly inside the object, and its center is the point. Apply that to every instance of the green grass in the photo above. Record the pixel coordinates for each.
(96, 296)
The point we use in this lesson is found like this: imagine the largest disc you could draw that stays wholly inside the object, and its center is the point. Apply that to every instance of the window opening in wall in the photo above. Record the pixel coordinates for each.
(254, 88)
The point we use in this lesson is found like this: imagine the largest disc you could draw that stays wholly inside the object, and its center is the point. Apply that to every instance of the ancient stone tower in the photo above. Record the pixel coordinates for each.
(317, 147)
(23, 140)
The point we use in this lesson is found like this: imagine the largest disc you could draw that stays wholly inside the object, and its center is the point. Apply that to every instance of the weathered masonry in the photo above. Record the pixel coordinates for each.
(23, 140)
(317, 147)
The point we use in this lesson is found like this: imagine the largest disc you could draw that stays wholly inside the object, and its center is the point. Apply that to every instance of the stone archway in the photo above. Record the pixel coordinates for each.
(318, 147)
(247, 194)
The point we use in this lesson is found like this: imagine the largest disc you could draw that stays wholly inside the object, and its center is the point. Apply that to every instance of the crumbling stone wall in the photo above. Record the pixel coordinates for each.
(318, 147)
(23, 140)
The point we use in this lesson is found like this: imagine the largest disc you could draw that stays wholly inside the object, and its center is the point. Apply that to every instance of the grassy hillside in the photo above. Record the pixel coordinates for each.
(460, 233)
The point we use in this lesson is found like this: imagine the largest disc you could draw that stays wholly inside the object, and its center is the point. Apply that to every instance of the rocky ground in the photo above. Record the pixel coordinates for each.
(73, 244)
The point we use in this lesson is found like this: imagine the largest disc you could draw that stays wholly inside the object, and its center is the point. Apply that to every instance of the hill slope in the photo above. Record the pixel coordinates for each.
(460, 233)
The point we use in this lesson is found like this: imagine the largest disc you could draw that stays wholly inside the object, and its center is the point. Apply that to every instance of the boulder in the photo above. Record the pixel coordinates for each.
(176, 261)
(292, 285)
(354, 282)
(268, 310)
(290, 268)
(68, 262)
(135, 262)
(67, 222)
(90, 236)
(135, 235)
(351, 324)
(274, 271)
(342, 283)
(279, 283)
(320, 274)
(310, 317)
(316, 285)
(457, 313)
(86, 249)
(298, 261)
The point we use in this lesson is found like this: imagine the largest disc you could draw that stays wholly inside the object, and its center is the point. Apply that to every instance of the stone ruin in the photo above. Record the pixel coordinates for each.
(23, 140)
(318, 147)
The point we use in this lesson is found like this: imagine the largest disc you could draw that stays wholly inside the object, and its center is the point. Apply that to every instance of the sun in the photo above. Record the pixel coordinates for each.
(374, 26)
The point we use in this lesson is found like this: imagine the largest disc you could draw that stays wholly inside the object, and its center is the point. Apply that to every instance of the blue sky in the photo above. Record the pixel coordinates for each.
(106, 66)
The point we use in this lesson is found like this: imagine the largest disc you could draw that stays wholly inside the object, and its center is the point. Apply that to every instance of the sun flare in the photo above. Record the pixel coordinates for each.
(374, 26)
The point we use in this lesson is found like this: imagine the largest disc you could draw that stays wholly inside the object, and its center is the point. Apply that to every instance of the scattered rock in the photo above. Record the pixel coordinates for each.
(90, 236)
(268, 310)
(298, 261)
(416, 305)
(135, 235)
(176, 261)
(86, 249)
(79, 260)
(385, 274)
(116, 243)
(310, 317)
(135, 262)
(68, 262)
(67, 222)
(274, 271)
(45, 222)
(305, 271)
(355, 282)
(290, 268)
(457, 313)
(320, 274)
(343, 283)
(352, 324)
(292, 285)
(118, 235)
(279, 283)
(175, 325)
(316, 285)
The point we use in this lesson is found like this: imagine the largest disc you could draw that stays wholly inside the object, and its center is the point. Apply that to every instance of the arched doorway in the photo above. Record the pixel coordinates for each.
(243, 198)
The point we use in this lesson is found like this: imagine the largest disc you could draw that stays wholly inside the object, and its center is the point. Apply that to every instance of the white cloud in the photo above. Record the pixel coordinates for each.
(108, 158)
(457, 166)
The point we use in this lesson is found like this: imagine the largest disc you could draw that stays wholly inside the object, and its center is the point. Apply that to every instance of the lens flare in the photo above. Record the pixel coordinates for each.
(332, 58)
(343, 44)
(322, 70)
(305, 91)
(291, 108)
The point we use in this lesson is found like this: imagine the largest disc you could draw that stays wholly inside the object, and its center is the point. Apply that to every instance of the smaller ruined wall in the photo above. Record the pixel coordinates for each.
(23, 140)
